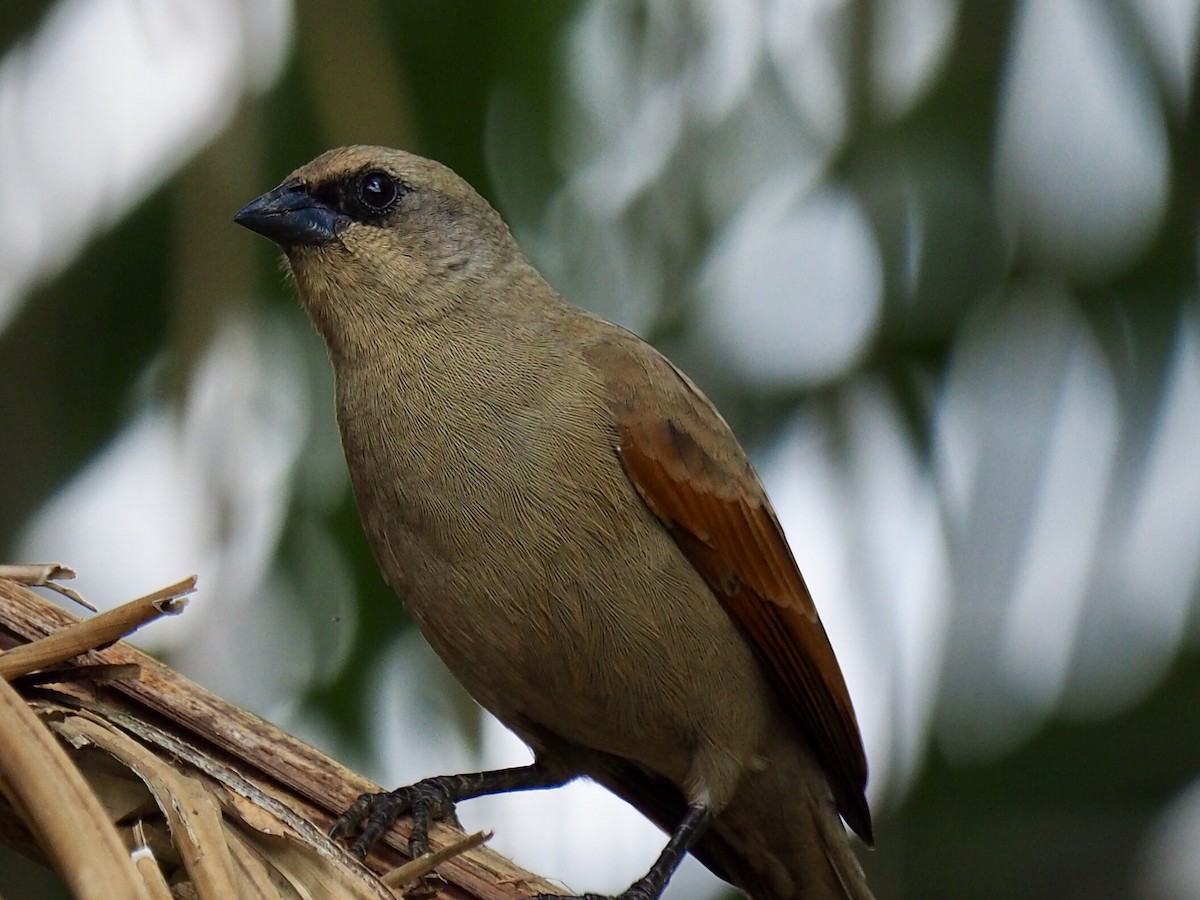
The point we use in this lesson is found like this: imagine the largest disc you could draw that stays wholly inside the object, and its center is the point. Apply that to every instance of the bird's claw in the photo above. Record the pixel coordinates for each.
(427, 801)
(635, 892)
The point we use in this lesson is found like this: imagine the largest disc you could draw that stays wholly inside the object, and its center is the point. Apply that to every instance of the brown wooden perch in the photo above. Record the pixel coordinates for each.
(131, 781)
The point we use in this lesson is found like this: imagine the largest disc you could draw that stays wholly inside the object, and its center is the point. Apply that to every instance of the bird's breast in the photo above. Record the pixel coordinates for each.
(469, 491)
(537, 573)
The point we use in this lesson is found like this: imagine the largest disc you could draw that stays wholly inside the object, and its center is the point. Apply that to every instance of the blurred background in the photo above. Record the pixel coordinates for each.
(936, 262)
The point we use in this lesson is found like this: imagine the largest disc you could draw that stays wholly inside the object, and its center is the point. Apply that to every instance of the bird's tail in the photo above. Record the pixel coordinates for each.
(780, 838)
(818, 865)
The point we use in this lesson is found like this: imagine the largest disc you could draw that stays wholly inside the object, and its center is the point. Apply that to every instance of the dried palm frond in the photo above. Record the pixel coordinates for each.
(131, 781)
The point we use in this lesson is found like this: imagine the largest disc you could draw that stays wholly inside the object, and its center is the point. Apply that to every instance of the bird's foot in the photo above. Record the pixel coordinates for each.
(635, 892)
(373, 814)
(651, 885)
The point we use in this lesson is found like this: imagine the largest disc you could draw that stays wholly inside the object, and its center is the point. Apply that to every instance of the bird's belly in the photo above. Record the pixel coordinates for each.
(645, 671)
(558, 600)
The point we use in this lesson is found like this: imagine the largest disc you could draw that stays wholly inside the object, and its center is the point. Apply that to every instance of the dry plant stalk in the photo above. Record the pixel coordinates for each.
(95, 632)
(47, 575)
(150, 787)
(56, 802)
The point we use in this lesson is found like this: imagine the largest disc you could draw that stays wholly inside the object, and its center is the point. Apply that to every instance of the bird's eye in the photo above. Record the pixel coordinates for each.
(378, 192)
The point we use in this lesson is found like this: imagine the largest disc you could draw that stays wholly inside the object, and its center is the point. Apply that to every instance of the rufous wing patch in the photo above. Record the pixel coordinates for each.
(692, 474)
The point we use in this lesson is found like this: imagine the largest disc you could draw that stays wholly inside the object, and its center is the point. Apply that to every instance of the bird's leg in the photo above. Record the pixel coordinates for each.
(433, 800)
(651, 885)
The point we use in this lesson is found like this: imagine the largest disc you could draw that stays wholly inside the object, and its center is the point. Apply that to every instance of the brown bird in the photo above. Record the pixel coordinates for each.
(576, 531)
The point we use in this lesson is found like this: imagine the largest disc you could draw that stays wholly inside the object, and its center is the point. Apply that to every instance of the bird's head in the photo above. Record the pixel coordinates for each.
(375, 236)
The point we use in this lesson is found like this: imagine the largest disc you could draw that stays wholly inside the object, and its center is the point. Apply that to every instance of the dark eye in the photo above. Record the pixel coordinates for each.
(377, 191)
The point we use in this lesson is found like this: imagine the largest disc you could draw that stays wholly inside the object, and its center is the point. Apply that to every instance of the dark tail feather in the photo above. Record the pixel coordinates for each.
(661, 802)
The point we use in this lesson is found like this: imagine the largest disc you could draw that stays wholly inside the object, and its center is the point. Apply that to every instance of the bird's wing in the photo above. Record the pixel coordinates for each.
(691, 472)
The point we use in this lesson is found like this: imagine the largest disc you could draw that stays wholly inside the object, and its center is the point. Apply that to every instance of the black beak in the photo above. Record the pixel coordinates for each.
(289, 215)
